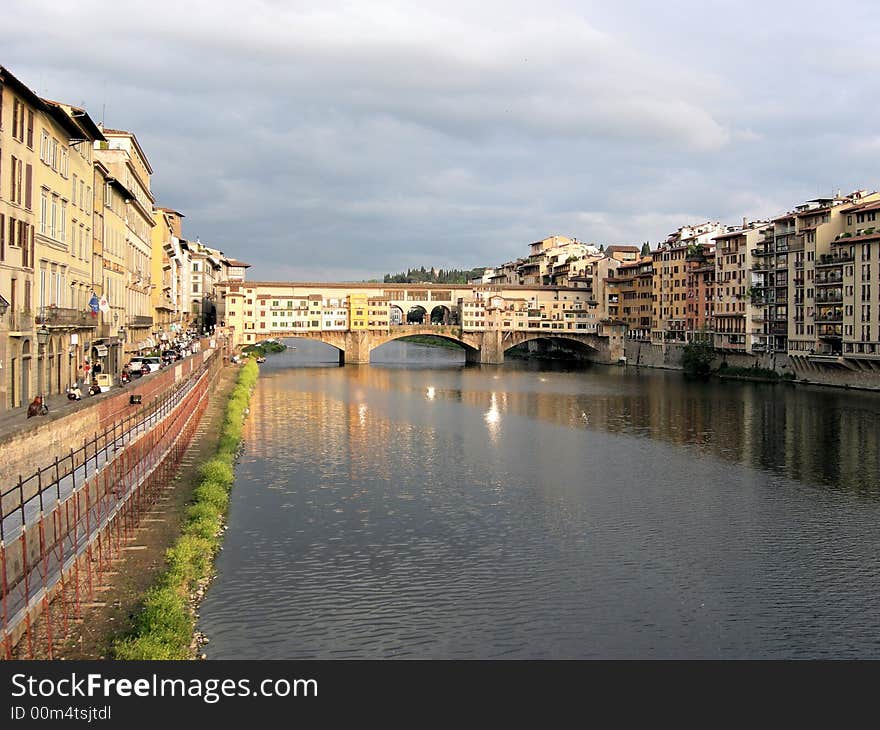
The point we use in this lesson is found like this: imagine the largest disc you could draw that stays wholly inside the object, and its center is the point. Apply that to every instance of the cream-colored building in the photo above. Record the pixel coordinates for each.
(109, 272)
(121, 153)
(816, 293)
(734, 327)
(847, 288)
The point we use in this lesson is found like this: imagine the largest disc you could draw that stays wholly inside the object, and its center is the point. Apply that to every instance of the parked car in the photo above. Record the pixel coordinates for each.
(136, 364)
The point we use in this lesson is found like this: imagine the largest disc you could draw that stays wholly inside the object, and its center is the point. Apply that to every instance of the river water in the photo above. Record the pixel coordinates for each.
(417, 508)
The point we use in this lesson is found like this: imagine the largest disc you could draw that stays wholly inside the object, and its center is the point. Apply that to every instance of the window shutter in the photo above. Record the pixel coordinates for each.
(28, 182)
(2, 237)
(12, 179)
(30, 129)
(14, 117)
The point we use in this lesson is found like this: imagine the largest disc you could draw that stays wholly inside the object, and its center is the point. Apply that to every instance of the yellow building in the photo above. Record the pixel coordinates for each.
(359, 318)
(67, 303)
(19, 110)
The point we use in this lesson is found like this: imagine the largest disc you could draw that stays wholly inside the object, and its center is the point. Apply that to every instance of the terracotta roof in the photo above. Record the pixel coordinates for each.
(814, 211)
(236, 262)
(859, 207)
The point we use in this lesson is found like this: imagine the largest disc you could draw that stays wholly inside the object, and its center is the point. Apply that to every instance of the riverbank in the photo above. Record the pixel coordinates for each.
(119, 590)
(163, 628)
(832, 371)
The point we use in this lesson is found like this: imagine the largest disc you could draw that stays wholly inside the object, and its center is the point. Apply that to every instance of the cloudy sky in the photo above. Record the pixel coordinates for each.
(342, 140)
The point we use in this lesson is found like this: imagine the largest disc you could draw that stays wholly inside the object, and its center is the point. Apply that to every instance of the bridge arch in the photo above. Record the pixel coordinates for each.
(441, 314)
(417, 314)
(335, 345)
(470, 349)
(395, 315)
(586, 345)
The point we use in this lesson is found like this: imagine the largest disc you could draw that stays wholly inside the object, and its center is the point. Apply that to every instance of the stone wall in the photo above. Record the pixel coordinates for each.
(40, 439)
(836, 373)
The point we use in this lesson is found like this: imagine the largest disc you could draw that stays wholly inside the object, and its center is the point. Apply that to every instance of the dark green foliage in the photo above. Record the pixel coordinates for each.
(263, 348)
(434, 276)
(697, 359)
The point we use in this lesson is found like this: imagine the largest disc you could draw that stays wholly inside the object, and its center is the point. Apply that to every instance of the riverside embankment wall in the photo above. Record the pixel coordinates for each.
(41, 439)
(650, 355)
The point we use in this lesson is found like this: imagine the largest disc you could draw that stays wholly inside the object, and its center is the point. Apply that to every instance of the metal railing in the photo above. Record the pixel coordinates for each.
(65, 317)
(95, 453)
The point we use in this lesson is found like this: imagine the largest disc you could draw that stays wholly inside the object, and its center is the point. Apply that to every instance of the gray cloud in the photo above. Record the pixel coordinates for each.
(345, 140)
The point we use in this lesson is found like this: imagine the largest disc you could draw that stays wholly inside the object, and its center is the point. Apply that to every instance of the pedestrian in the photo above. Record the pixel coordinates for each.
(36, 408)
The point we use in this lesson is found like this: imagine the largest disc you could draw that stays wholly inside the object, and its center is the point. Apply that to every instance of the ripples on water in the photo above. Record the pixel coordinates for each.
(530, 511)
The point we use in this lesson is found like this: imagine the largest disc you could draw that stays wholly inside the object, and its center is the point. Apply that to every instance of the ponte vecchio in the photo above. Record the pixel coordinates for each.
(355, 318)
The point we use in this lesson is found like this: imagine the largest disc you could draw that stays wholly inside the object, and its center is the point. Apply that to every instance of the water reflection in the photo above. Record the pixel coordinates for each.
(539, 511)
(813, 434)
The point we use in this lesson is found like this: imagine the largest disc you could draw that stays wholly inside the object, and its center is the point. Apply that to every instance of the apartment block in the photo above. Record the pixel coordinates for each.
(630, 297)
(734, 329)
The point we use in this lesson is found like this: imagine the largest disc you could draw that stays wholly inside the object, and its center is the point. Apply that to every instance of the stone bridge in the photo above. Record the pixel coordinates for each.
(482, 347)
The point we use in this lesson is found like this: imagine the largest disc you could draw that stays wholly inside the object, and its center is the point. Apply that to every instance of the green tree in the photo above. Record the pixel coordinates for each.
(697, 359)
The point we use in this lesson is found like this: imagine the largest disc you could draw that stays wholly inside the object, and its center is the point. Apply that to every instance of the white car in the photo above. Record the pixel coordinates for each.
(154, 363)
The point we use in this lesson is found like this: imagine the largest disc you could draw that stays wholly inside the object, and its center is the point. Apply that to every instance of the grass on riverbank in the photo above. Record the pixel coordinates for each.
(164, 628)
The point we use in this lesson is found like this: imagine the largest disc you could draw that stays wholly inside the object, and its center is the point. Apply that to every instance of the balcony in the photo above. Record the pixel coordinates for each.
(779, 329)
(833, 259)
(830, 331)
(830, 296)
(832, 316)
(831, 278)
(140, 320)
(21, 320)
(65, 317)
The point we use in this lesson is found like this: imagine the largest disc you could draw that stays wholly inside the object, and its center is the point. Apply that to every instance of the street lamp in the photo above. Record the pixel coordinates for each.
(42, 339)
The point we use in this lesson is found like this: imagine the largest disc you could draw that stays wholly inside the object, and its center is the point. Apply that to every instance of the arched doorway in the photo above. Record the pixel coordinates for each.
(395, 316)
(25, 373)
(440, 315)
(416, 315)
